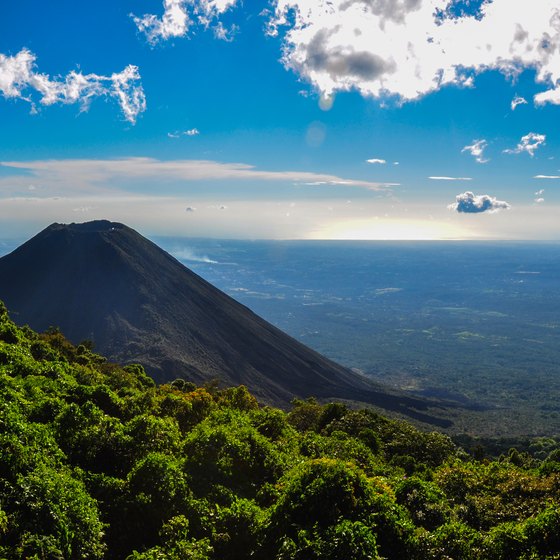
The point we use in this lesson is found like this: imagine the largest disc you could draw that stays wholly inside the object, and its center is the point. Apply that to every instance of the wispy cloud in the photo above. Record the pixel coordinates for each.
(376, 161)
(179, 133)
(19, 79)
(180, 15)
(470, 203)
(528, 143)
(95, 175)
(443, 178)
(188, 254)
(546, 177)
(476, 149)
(224, 33)
(516, 101)
(539, 196)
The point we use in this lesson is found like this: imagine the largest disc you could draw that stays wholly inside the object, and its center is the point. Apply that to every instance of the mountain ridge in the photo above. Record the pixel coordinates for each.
(105, 282)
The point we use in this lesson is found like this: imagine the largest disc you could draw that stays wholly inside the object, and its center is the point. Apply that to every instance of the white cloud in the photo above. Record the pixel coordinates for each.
(376, 160)
(20, 80)
(436, 178)
(546, 177)
(539, 196)
(91, 175)
(179, 15)
(516, 101)
(173, 23)
(528, 143)
(178, 133)
(549, 96)
(224, 33)
(470, 203)
(476, 149)
(131, 97)
(409, 48)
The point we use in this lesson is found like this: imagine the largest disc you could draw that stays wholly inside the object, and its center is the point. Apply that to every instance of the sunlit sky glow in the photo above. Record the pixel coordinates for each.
(346, 119)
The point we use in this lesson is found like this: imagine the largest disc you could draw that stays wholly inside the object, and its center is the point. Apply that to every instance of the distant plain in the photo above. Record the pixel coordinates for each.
(473, 323)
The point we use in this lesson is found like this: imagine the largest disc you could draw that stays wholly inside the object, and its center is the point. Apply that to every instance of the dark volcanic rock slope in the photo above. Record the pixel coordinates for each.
(104, 282)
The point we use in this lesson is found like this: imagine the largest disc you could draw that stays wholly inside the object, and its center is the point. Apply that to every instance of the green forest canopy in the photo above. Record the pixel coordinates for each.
(97, 462)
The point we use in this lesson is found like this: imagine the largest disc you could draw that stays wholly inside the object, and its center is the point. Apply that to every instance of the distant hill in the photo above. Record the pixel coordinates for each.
(102, 281)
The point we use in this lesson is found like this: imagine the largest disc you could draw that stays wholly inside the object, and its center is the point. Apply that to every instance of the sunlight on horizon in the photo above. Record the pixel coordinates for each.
(390, 229)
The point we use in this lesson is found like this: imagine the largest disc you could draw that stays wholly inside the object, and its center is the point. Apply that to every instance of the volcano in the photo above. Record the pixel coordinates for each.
(104, 282)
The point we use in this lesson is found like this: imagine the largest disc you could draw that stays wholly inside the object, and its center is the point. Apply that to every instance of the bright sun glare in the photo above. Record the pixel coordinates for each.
(387, 229)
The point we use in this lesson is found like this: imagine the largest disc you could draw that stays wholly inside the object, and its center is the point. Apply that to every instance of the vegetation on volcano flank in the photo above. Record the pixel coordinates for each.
(96, 461)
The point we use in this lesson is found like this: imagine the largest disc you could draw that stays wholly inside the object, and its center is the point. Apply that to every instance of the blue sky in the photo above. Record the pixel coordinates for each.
(373, 119)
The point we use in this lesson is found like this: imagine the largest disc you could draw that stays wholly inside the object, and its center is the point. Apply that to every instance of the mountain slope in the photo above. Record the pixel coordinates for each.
(105, 282)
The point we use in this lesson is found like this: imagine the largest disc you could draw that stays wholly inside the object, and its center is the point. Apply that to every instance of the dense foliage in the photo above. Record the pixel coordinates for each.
(97, 462)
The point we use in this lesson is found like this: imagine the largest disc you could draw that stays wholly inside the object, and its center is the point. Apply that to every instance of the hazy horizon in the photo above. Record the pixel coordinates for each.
(11, 242)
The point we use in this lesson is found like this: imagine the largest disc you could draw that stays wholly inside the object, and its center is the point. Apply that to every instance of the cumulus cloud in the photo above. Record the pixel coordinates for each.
(180, 15)
(539, 196)
(19, 79)
(470, 203)
(444, 178)
(376, 160)
(528, 143)
(173, 23)
(476, 149)
(409, 48)
(516, 101)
